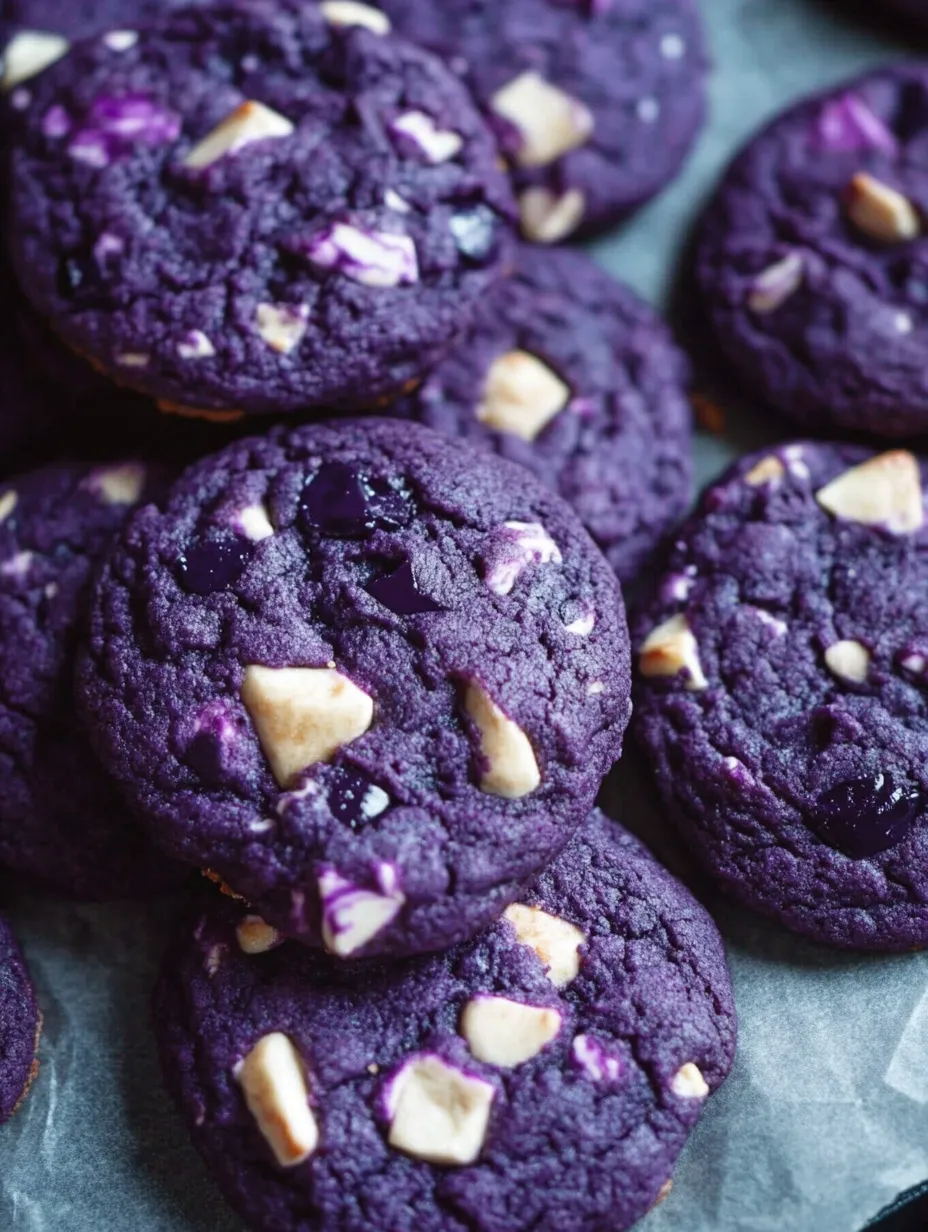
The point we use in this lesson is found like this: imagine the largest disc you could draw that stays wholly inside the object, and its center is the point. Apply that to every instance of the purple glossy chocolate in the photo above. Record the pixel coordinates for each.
(823, 317)
(620, 448)
(20, 1024)
(62, 821)
(162, 681)
(315, 267)
(793, 750)
(582, 1136)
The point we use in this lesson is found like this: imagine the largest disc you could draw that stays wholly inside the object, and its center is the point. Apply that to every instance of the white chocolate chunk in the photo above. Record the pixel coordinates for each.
(352, 13)
(689, 1083)
(133, 359)
(521, 395)
(512, 769)
(253, 522)
(438, 1113)
(351, 915)
(583, 626)
(555, 941)
(546, 217)
(768, 470)
(883, 491)
(27, 53)
(437, 144)
(881, 212)
(303, 715)
(249, 122)
(120, 40)
(550, 122)
(507, 1033)
(274, 1085)
(515, 546)
(670, 649)
(282, 326)
(256, 936)
(776, 284)
(8, 502)
(195, 345)
(118, 485)
(850, 660)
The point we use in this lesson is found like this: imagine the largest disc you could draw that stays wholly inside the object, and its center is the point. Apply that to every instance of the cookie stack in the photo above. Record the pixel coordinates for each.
(366, 675)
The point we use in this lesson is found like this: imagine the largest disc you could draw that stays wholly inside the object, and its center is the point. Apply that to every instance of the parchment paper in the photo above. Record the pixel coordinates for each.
(825, 1117)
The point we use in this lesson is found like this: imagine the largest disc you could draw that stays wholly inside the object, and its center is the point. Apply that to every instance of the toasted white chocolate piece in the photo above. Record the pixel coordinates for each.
(521, 395)
(767, 470)
(282, 326)
(249, 122)
(254, 523)
(512, 769)
(438, 1113)
(352, 13)
(274, 1085)
(507, 1033)
(850, 660)
(256, 936)
(556, 942)
(8, 502)
(303, 715)
(551, 122)
(881, 212)
(689, 1083)
(28, 53)
(670, 649)
(118, 485)
(883, 491)
(776, 284)
(547, 218)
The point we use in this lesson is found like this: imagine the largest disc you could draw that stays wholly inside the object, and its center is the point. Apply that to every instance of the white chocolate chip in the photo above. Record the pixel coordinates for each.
(672, 47)
(881, 212)
(507, 1033)
(515, 546)
(27, 53)
(282, 326)
(8, 502)
(768, 470)
(18, 565)
(670, 649)
(352, 13)
(555, 941)
(550, 122)
(521, 395)
(351, 915)
(776, 284)
(274, 1085)
(596, 687)
(303, 715)
(133, 359)
(437, 144)
(118, 485)
(883, 491)
(256, 936)
(689, 1083)
(253, 522)
(850, 660)
(120, 40)
(915, 663)
(583, 626)
(195, 345)
(546, 217)
(437, 1112)
(249, 122)
(511, 767)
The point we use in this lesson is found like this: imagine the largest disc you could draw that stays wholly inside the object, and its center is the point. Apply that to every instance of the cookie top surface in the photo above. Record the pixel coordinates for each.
(496, 1087)
(61, 820)
(567, 372)
(77, 18)
(358, 663)
(812, 253)
(596, 103)
(19, 1025)
(782, 690)
(251, 207)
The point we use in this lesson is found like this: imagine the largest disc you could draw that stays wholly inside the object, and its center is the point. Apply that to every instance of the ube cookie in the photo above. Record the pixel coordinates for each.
(596, 105)
(62, 822)
(782, 691)
(567, 372)
(545, 1074)
(20, 1025)
(812, 252)
(231, 213)
(369, 677)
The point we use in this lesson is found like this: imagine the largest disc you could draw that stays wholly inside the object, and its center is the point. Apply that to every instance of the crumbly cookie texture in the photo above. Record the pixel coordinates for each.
(20, 1026)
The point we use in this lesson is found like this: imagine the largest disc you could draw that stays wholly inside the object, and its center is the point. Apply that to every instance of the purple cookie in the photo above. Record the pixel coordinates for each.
(544, 1075)
(61, 820)
(20, 1026)
(813, 254)
(567, 372)
(255, 208)
(370, 677)
(596, 102)
(781, 694)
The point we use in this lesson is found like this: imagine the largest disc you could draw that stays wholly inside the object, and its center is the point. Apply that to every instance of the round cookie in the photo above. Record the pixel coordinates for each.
(61, 820)
(255, 208)
(782, 691)
(546, 1074)
(812, 252)
(369, 677)
(20, 1025)
(568, 373)
(596, 104)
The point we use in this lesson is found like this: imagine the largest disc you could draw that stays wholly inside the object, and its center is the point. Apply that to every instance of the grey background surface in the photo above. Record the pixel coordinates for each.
(825, 1117)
